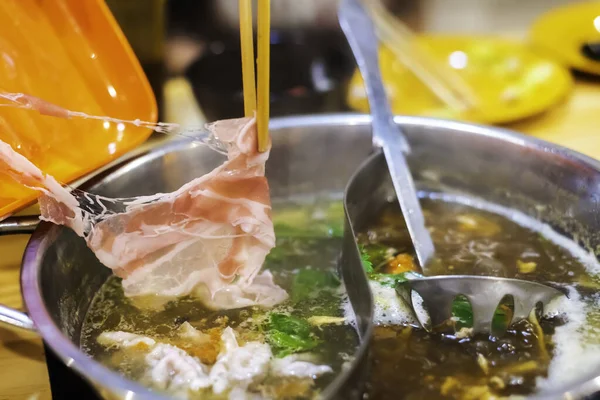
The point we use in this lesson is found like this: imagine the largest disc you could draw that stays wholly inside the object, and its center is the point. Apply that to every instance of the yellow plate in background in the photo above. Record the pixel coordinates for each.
(564, 30)
(510, 81)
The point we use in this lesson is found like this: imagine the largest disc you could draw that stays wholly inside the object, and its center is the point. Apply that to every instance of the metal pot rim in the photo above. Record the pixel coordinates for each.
(91, 369)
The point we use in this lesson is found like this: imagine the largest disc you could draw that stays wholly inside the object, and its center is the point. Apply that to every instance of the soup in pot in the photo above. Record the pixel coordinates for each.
(541, 354)
(291, 351)
(313, 330)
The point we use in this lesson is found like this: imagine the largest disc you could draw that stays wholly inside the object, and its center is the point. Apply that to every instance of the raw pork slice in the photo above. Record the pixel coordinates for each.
(209, 238)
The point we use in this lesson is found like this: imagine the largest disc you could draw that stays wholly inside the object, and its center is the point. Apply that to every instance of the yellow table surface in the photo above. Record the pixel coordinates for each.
(23, 372)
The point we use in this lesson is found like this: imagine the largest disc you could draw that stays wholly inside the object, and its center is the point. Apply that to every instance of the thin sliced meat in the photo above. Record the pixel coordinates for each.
(210, 237)
(35, 103)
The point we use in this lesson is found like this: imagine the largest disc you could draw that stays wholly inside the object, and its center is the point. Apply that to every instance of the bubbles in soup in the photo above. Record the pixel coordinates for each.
(180, 347)
(470, 238)
(475, 238)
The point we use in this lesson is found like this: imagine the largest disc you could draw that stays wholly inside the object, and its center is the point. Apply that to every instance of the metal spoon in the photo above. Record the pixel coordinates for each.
(438, 292)
(360, 33)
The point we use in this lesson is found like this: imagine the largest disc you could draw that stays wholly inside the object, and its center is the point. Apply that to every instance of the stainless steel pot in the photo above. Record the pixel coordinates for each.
(310, 155)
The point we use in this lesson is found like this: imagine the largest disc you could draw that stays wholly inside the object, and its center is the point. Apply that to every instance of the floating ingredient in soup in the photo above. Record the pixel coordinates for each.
(209, 238)
(534, 356)
(187, 350)
(288, 334)
(235, 368)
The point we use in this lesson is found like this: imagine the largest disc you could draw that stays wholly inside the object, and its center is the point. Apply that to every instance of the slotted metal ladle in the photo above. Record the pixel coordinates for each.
(437, 292)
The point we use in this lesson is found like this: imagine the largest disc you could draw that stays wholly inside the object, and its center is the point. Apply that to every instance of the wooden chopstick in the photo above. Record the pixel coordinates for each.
(256, 102)
(264, 62)
(247, 46)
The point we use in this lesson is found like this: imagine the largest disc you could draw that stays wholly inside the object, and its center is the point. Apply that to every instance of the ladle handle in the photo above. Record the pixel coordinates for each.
(360, 32)
(16, 318)
(15, 226)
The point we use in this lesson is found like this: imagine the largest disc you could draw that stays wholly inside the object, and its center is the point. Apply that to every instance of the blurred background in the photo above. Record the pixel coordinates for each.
(190, 48)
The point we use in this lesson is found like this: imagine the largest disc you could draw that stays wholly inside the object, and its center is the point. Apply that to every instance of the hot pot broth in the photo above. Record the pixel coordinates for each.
(529, 357)
(303, 263)
(406, 361)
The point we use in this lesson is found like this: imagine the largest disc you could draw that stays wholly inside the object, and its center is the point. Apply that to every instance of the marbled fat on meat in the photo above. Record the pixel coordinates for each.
(209, 238)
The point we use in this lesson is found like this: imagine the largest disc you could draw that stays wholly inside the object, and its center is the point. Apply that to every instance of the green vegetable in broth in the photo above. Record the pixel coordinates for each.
(366, 260)
(374, 256)
(288, 335)
(285, 344)
(315, 292)
(303, 263)
(309, 282)
(385, 279)
(408, 361)
(462, 312)
(300, 222)
(289, 324)
(463, 315)
(392, 280)
(530, 355)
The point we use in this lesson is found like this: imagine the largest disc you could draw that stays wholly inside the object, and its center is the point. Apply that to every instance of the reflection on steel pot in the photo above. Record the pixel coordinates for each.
(316, 154)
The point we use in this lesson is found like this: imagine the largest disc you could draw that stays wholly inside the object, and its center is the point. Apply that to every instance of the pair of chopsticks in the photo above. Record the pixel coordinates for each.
(256, 92)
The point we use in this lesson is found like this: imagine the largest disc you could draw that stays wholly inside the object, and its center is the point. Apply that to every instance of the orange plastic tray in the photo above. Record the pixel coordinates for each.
(71, 53)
